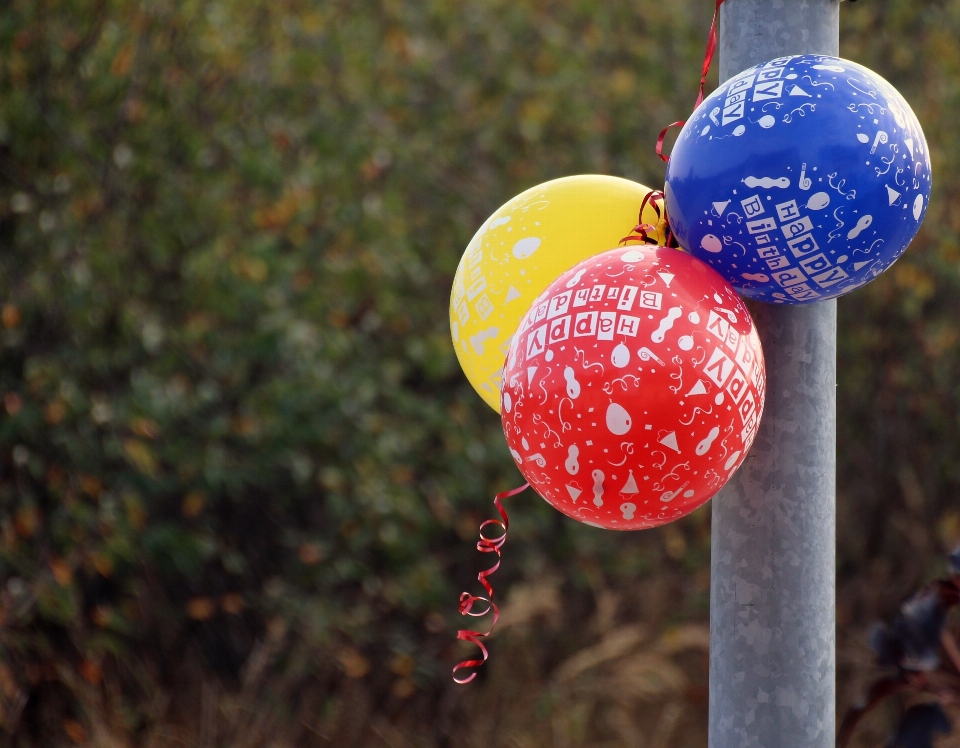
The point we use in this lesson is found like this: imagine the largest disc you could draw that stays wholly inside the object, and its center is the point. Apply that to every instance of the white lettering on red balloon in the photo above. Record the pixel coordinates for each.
(647, 392)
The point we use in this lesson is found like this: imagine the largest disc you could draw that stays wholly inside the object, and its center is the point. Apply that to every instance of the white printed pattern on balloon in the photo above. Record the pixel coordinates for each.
(474, 298)
(718, 360)
(806, 269)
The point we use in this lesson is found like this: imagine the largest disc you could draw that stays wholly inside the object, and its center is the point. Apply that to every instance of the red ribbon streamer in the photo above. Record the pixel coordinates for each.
(707, 61)
(711, 50)
(642, 231)
(467, 601)
(663, 135)
(646, 232)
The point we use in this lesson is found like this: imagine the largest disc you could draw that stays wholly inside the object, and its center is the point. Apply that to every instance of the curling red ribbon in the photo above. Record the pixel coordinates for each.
(646, 232)
(467, 601)
(642, 231)
(707, 61)
(711, 50)
(663, 135)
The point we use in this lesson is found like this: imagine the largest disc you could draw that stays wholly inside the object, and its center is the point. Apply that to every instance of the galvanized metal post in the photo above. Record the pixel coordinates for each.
(772, 596)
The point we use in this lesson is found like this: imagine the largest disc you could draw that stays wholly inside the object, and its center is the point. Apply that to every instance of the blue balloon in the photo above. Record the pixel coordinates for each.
(800, 179)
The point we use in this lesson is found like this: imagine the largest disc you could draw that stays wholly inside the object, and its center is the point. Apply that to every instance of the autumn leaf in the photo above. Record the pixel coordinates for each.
(61, 571)
(200, 608)
(140, 455)
(75, 731)
(121, 63)
(10, 316)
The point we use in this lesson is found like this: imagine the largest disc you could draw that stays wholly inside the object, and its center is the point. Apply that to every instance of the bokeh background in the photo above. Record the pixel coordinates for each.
(241, 472)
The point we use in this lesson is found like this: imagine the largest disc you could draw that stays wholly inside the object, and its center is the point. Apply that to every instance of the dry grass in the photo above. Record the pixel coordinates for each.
(619, 664)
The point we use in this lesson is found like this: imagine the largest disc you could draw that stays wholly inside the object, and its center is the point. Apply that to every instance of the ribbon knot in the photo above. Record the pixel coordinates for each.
(647, 232)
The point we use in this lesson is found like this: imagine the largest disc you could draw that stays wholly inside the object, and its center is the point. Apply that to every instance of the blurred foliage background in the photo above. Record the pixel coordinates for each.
(240, 470)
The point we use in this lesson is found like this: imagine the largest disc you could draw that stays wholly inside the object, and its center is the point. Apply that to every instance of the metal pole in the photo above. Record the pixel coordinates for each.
(773, 583)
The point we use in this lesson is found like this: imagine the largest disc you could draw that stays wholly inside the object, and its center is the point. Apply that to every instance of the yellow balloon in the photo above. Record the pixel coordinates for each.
(521, 249)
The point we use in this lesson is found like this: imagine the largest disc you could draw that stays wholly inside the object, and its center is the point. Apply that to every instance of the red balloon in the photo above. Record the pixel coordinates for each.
(633, 389)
